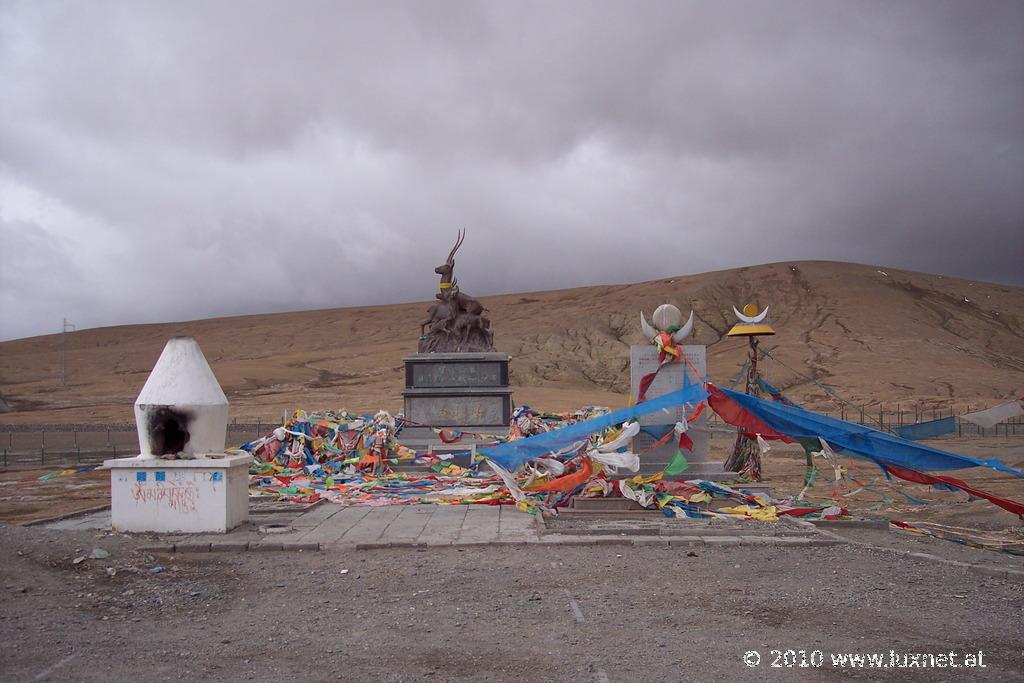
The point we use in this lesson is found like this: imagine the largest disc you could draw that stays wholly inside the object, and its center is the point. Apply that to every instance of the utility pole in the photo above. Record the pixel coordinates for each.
(65, 328)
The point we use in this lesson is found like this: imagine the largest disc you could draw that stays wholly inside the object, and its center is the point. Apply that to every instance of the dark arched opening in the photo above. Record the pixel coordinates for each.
(168, 431)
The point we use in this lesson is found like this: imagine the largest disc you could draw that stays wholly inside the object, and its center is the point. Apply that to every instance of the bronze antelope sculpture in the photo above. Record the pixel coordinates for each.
(456, 321)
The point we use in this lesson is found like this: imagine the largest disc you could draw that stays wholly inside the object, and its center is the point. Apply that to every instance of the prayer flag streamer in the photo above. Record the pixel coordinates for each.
(512, 454)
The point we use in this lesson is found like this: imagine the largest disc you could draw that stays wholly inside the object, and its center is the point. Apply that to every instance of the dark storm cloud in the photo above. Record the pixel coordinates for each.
(178, 160)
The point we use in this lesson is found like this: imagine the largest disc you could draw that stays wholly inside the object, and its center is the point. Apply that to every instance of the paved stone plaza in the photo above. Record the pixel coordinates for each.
(330, 527)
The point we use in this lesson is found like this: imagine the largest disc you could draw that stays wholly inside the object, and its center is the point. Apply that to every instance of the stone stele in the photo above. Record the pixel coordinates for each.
(643, 360)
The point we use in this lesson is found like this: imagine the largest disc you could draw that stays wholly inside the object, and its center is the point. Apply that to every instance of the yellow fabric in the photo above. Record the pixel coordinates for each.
(665, 344)
(702, 497)
(765, 514)
(611, 437)
(748, 330)
(648, 479)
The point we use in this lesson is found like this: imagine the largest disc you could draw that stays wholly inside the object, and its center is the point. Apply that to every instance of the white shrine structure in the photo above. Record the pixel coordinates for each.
(182, 480)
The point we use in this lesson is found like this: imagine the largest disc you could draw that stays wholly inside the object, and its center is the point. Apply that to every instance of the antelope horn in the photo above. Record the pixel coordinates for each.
(684, 331)
(751, 320)
(649, 331)
(458, 243)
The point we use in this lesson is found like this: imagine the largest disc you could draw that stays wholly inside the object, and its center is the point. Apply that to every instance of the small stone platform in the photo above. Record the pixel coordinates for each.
(330, 527)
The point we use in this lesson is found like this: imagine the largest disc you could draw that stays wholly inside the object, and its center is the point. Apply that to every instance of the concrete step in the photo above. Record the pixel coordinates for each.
(605, 504)
(600, 513)
(640, 523)
(619, 504)
(708, 471)
(411, 468)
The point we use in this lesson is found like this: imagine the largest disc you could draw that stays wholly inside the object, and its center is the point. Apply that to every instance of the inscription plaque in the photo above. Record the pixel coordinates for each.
(457, 375)
(644, 360)
(466, 411)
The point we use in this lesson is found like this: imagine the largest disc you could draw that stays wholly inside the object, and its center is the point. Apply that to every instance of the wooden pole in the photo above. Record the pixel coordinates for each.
(752, 370)
(746, 451)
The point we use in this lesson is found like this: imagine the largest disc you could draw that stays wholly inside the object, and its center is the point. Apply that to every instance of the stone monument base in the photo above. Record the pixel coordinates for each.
(206, 494)
(644, 359)
(465, 392)
(700, 465)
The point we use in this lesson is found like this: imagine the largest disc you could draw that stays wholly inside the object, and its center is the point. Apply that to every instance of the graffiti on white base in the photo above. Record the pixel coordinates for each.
(181, 498)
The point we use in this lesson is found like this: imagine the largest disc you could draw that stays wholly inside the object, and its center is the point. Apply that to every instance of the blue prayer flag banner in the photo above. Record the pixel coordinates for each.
(928, 430)
(512, 454)
(859, 440)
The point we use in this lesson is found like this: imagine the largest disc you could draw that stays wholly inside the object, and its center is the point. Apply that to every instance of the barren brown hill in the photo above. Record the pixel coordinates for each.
(873, 334)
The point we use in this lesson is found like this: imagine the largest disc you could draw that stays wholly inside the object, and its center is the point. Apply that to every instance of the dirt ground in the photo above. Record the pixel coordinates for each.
(23, 498)
(540, 614)
(785, 466)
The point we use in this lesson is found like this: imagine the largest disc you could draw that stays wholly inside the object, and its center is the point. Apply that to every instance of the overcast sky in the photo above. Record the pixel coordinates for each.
(176, 160)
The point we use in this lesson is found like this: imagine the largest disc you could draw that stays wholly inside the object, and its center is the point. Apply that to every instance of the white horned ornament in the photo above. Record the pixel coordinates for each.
(667, 333)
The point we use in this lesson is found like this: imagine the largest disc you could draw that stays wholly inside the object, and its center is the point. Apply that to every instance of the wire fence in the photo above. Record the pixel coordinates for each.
(52, 445)
(890, 420)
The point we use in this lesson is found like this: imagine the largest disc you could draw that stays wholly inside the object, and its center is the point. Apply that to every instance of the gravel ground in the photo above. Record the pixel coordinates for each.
(904, 541)
(537, 613)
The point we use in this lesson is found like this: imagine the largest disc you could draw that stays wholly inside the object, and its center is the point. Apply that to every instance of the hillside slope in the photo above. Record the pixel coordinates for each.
(875, 335)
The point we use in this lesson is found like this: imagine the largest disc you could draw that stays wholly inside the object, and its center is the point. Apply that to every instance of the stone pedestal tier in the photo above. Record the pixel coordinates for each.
(206, 494)
(455, 391)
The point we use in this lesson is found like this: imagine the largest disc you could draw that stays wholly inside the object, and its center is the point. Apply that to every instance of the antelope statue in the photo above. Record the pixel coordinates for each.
(456, 320)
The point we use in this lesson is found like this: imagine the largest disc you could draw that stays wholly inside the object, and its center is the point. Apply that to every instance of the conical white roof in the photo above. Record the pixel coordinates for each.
(182, 376)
